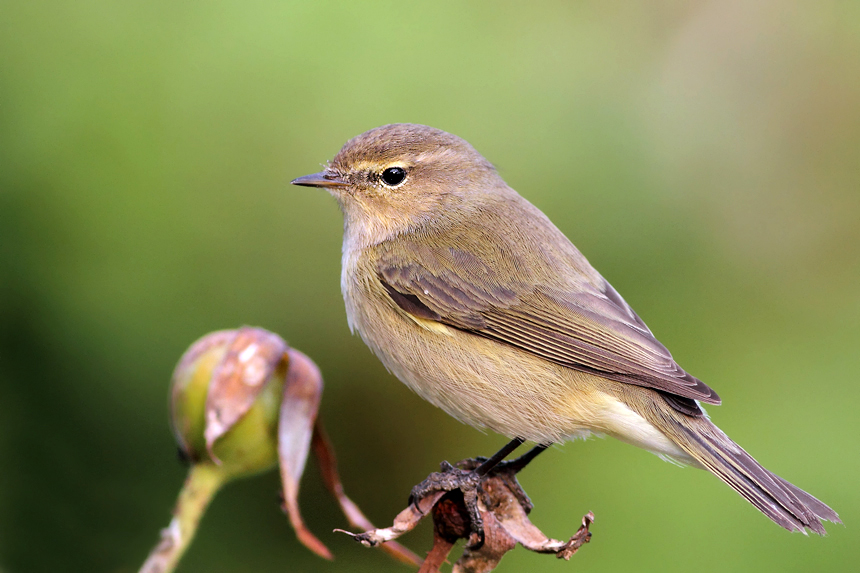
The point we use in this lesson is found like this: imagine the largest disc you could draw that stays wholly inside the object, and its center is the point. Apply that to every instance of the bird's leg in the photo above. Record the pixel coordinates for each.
(487, 465)
(468, 479)
(509, 470)
(519, 463)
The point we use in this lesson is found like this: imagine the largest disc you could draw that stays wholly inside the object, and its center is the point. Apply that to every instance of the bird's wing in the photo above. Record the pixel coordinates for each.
(581, 324)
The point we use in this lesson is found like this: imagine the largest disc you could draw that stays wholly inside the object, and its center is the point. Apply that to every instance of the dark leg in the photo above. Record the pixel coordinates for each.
(497, 458)
(524, 460)
(509, 470)
(485, 466)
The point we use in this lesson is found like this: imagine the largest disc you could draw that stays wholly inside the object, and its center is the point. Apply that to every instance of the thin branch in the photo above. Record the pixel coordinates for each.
(203, 481)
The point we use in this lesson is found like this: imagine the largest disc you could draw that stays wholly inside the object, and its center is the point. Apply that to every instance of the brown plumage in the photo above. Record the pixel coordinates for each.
(476, 301)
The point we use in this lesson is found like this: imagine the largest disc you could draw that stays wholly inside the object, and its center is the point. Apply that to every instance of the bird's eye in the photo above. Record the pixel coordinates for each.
(394, 176)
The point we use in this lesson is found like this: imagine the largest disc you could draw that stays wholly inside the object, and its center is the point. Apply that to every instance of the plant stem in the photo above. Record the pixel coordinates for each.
(203, 481)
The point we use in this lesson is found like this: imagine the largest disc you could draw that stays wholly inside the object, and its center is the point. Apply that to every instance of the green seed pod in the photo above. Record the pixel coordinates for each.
(225, 400)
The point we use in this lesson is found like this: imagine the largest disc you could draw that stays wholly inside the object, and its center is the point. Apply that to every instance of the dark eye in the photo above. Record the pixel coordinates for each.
(394, 176)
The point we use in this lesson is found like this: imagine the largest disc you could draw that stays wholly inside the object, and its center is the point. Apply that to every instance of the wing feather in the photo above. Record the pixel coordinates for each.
(551, 312)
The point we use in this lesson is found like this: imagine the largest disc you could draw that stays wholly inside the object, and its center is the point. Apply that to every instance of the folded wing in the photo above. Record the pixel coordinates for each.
(581, 324)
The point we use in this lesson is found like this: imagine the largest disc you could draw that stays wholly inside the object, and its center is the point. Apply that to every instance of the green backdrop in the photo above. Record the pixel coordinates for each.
(705, 156)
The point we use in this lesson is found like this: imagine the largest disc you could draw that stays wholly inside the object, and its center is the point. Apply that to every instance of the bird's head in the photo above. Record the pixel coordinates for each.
(399, 177)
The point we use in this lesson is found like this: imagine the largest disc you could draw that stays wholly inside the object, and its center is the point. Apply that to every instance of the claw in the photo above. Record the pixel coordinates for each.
(476, 540)
(468, 482)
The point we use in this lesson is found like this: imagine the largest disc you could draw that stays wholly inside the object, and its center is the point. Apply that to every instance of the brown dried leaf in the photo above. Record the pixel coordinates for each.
(180, 379)
(513, 517)
(580, 538)
(239, 378)
(327, 462)
(202, 346)
(497, 542)
(405, 521)
(302, 394)
(438, 554)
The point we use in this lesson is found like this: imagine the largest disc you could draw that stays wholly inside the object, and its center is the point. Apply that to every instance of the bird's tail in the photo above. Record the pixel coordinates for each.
(786, 504)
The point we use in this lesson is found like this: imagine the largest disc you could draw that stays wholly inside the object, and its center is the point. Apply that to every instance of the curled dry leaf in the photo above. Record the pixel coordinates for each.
(324, 453)
(302, 393)
(239, 378)
(188, 389)
(298, 430)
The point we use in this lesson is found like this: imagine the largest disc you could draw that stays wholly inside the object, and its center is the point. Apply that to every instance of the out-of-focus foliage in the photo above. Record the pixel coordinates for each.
(705, 156)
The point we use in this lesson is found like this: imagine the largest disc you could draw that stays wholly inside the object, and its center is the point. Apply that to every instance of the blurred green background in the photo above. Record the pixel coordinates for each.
(704, 155)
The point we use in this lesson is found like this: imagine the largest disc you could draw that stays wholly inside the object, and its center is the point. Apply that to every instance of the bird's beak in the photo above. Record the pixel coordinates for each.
(326, 179)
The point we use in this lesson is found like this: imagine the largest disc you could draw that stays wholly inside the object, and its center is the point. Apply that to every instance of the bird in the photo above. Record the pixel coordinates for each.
(475, 300)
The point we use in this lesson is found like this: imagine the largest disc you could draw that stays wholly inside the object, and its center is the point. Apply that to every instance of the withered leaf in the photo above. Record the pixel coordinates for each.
(324, 453)
(239, 378)
(302, 393)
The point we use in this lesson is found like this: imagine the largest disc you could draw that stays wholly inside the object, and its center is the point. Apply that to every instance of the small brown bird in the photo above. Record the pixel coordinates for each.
(476, 301)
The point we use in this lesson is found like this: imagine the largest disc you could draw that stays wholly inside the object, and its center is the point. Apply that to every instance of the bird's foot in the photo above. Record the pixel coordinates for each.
(463, 479)
(507, 472)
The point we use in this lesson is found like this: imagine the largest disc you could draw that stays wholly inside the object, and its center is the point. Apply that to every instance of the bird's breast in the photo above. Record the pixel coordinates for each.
(474, 379)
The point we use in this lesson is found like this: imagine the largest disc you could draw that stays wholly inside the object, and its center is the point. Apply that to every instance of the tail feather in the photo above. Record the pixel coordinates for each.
(784, 503)
(819, 508)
